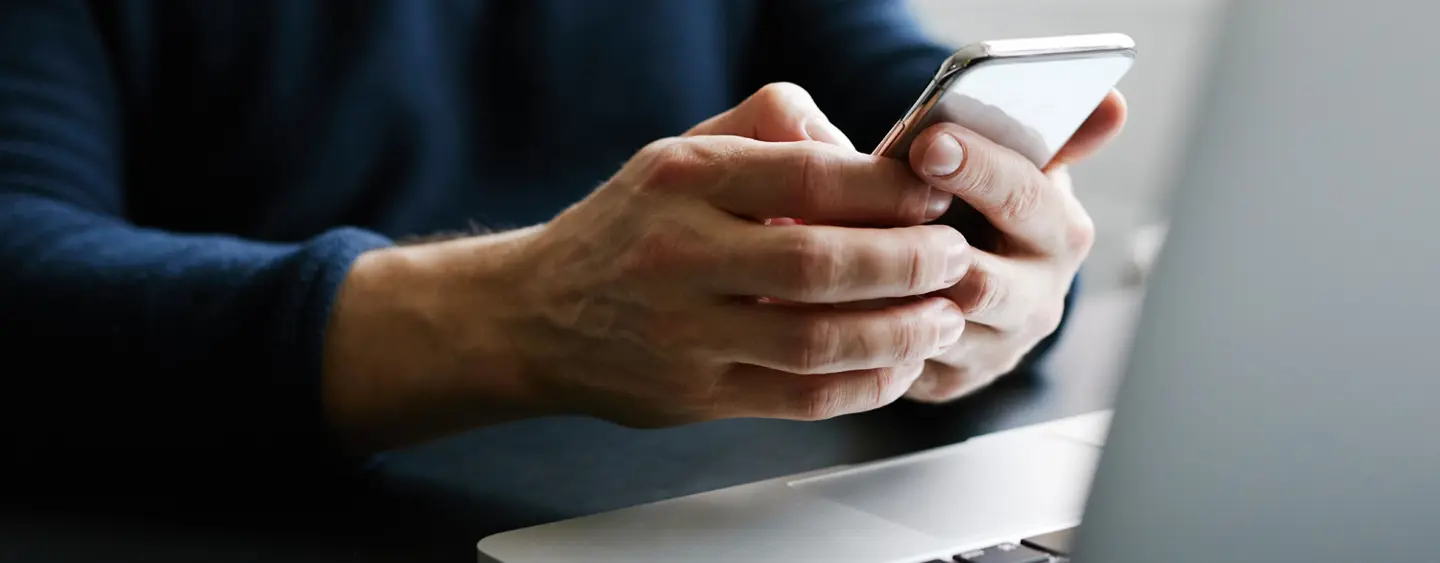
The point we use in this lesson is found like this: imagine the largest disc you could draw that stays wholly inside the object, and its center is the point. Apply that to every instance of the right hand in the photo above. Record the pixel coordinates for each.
(652, 302)
(663, 298)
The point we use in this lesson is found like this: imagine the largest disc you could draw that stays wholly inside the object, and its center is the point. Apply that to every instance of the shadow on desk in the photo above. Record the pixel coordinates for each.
(432, 503)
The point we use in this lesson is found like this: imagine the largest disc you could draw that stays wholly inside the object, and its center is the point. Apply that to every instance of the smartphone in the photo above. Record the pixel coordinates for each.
(1029, 95)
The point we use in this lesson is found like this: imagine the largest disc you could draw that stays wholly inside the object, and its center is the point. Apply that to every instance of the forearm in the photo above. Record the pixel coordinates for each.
(401, 367)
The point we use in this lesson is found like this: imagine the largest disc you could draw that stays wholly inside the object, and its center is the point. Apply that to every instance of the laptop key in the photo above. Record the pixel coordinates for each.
(1004, 553)
(1058, 543)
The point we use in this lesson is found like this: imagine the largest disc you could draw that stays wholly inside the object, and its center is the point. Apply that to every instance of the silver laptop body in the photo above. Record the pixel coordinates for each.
(1282, 403)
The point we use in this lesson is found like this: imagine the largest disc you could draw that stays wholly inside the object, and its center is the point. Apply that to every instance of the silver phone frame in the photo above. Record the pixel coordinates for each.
(897, 142)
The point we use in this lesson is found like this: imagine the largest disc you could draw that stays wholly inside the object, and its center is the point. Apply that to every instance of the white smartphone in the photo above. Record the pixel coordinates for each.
(1030, 95)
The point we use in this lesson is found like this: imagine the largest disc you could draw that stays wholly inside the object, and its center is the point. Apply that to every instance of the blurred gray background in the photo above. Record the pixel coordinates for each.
(1125, 187)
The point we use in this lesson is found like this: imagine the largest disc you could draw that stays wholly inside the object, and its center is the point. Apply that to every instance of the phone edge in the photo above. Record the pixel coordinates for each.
(1002, 49)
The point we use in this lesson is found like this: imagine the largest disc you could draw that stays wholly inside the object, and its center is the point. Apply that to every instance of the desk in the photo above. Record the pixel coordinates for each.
(433, 503)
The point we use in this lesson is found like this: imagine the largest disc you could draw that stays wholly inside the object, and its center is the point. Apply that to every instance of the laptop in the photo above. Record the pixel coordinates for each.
(1282, 400)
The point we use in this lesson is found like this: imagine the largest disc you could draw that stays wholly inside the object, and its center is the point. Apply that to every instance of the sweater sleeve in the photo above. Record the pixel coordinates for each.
(190, 348)
(865, 62)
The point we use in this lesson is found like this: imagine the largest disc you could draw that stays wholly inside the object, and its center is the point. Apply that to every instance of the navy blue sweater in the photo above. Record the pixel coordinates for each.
(183, 185)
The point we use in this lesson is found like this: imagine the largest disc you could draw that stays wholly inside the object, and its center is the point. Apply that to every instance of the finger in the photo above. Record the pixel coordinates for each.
(982, 345)
(823, 264)
(750, 391)
(941, 382)
(1104, 124)
(997, 291)
(816, 340)
(1014, 195)
(984, 356)
(777, 113)
(810, 181)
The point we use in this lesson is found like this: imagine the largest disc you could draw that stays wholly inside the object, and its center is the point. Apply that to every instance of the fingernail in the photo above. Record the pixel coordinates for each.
(957, 264)
(952, 326)
(944, 156)
(820, 129)
(938, 205)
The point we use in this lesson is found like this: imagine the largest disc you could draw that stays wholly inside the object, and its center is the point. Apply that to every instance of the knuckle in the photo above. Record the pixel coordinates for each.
(674, 164)
(1022, 201)
(911, 339)
(817, 347)
(978, 175)
(780, 94)
(820, 400)
(814, 265)
(664, 149)
(1046, 320)
(807, 188)
(889, 386)
(1080, 235)
(912, 207)
(930, 258)
(917, 270)
(779, 111)
(983, 293)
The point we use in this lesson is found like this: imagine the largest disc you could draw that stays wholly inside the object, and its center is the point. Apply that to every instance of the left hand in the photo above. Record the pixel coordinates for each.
(1014, 293)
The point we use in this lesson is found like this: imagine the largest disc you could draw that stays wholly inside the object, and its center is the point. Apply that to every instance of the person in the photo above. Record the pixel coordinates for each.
(296, 233)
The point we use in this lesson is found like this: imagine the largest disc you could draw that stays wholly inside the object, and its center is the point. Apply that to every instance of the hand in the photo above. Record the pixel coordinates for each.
(1014, 292)
(663, 298)
(648, 294)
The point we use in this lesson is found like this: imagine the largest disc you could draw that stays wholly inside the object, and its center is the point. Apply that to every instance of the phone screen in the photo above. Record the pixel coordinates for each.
(1031, 106)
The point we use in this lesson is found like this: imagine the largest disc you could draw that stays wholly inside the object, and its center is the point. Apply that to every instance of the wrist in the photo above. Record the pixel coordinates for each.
(418, 346)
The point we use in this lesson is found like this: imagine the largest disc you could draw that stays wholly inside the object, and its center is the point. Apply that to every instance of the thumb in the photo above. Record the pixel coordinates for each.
(778, 113)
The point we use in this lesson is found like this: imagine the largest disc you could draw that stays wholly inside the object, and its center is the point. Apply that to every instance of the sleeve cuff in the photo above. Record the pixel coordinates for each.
(319, 269)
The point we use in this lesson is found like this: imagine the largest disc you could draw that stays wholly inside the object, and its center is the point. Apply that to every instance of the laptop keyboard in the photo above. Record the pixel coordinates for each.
(1053, 547)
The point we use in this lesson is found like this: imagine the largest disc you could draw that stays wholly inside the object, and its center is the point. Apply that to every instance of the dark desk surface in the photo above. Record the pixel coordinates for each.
(433, 503)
